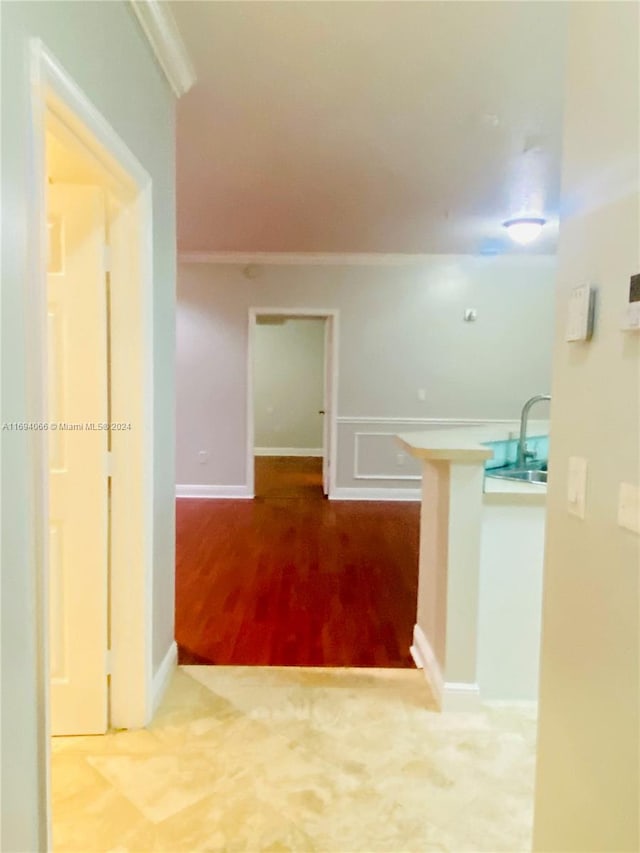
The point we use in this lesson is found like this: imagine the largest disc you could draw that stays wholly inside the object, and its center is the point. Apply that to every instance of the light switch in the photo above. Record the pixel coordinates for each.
(631, 321)
(629, 507)
(577, 486)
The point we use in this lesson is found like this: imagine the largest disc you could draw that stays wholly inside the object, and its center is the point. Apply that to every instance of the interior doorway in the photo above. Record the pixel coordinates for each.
(291, 407)
(90, 404)
(78, 410)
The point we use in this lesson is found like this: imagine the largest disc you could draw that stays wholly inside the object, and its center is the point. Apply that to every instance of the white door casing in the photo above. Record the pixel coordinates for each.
(330, 316)
(78, 493)
(328, 405)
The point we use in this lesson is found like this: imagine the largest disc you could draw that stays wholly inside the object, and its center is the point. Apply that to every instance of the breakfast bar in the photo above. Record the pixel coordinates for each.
(480, 565)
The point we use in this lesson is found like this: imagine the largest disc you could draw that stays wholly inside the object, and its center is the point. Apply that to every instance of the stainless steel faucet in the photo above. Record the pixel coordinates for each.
(523, 453)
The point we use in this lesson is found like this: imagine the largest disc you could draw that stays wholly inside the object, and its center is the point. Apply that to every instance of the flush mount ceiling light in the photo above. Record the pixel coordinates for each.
(524, 229)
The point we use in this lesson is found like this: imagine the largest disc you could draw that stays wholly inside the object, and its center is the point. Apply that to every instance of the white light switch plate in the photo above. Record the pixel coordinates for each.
(631, 318)
(629, 507)
(577, 486)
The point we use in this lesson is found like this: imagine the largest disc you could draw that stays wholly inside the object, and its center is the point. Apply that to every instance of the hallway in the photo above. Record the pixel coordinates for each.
(288, 477)
(338, 761)
(292, 579)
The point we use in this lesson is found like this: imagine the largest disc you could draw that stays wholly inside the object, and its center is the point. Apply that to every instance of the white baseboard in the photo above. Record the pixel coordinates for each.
(425, 659)
(200, 491)
(288, 451)
(521, 704)
(341, 493)
(163, 676)
(449, 695)
(461, 697)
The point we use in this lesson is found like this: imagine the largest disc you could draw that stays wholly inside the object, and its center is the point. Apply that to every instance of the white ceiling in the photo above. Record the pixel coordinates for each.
(399, 127)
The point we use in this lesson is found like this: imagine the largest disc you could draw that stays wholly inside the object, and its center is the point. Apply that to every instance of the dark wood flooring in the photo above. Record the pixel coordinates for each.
(292, 579)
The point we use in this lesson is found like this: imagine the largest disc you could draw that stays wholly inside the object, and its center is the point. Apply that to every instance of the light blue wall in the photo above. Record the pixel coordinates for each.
(102, 48)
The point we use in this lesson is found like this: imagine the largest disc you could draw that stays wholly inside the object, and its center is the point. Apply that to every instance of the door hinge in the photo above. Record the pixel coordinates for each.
(108, 662)
(106, 258)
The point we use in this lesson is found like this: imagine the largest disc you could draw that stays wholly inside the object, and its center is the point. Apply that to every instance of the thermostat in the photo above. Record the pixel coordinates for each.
(581, 313)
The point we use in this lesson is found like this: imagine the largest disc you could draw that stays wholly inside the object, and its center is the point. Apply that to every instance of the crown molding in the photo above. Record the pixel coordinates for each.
(364, 259)
(161, 30)
(303, 258)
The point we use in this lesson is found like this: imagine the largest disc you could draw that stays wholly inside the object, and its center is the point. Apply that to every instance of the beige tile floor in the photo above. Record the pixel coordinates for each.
(281, 759)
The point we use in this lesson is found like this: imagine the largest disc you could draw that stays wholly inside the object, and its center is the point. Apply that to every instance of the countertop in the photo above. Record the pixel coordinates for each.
(496, 489)
(464, 444)
(467, 444)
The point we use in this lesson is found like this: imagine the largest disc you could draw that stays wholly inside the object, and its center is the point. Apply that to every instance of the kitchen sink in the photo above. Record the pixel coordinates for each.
(527, 475)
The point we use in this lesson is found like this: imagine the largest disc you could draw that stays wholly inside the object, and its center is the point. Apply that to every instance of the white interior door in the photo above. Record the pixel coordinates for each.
(78, 485)
(328, 387)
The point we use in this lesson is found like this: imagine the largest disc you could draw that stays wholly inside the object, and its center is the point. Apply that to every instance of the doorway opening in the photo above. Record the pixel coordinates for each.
(90, 401)
(292, 402)
(289, 378)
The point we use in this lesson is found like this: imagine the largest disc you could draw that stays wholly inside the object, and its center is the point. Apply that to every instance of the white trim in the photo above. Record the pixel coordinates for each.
(369, 259)
(369, 419)
(461, 697)
(356, 459)
(522, 704)
(49, 74)
(288, 451)
(161, 30)
(302, 258)
(425, 659)
(342, 493)
(206, 491)
(55, 93)
(331, 315)
(163, 676)
(449, 695)
(250, 472)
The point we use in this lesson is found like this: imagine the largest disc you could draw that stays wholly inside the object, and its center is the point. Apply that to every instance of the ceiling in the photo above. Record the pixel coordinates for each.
(394, 127)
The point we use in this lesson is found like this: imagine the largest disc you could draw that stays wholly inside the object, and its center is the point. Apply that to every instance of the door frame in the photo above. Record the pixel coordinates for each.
(331, 316)
(55, 97)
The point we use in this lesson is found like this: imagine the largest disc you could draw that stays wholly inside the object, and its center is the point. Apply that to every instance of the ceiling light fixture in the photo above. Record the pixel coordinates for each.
(524, 229)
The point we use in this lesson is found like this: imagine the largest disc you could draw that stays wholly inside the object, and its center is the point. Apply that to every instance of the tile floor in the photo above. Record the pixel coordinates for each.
(285, 759)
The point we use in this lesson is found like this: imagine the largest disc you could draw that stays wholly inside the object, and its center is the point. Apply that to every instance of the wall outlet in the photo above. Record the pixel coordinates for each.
(577, 486)
(422, 394)
(629, 507)
(401, 458)
(203, 457)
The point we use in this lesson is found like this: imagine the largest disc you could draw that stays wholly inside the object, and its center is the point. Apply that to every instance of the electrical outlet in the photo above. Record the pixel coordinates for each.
(577, 486)
(400, 458)
(203, 457)
(422, 394)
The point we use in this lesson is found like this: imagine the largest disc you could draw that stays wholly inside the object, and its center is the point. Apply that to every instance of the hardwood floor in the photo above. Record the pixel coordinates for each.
(288, 477)
(292, 579)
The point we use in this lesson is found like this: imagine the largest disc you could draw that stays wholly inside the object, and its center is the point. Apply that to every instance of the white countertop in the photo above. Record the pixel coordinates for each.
(464, 444)
(517, 491)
